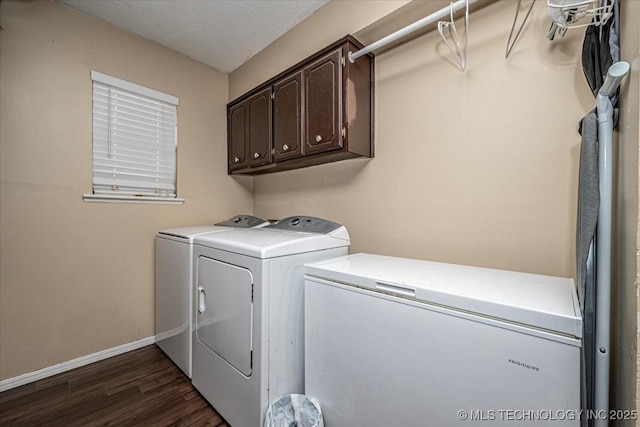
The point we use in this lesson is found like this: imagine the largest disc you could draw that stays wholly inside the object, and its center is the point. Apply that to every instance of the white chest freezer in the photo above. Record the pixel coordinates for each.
(392, 341)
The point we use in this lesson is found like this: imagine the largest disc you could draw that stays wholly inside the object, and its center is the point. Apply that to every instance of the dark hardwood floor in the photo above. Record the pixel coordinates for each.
(142, 387)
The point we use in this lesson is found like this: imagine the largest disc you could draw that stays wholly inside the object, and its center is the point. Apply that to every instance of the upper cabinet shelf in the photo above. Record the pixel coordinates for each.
(318, 111)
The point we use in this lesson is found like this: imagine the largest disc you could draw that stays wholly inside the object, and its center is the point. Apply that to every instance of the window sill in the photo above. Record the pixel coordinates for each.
(108, 198)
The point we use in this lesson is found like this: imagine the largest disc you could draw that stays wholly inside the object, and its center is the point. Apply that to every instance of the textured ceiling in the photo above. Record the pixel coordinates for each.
(221, 33)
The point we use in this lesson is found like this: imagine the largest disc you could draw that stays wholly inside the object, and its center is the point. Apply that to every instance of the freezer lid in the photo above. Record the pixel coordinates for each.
(542, 302)
(264, 243)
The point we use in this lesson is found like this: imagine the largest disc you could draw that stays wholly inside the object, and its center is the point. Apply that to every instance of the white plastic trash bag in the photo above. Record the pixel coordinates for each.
(294, 410)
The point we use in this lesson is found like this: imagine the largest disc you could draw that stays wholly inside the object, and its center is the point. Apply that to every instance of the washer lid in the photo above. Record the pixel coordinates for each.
(542, 302)
(188, 233)
(266, 243)
(244, 221)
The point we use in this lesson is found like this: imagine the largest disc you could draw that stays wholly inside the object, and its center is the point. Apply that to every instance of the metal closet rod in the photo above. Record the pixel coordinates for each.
(434, 17)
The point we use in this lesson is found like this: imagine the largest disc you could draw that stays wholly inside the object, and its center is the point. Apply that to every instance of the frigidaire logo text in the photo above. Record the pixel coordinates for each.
(524, 365)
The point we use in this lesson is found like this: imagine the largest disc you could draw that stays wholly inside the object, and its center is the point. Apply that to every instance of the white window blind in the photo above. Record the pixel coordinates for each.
(134, 139)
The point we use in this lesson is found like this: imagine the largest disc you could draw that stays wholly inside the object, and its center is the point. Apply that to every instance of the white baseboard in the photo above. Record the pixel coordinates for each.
(50, 371)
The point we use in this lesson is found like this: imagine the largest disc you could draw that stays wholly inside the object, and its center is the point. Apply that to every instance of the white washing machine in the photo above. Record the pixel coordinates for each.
(393, 341)
(174, 290)
(248, 339)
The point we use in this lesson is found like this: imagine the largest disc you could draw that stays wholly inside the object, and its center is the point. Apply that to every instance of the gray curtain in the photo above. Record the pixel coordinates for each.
(588, 204)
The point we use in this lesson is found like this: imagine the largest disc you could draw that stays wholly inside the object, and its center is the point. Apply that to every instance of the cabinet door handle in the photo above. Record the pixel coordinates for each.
(285, 147)
(236, 160)
(256, 155)
(318, 138)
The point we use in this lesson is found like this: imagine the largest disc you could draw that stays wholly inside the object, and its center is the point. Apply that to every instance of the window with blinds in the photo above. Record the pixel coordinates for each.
(134, 139)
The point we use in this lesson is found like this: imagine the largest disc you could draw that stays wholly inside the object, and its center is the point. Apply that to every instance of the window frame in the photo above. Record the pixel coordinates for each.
(115, 197)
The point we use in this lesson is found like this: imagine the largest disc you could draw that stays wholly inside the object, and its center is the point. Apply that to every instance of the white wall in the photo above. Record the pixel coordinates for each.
(76, 277)
(476, 167)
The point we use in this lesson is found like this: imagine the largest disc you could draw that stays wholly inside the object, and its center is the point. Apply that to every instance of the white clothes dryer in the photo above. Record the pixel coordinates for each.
(248, 344)
(174, 295)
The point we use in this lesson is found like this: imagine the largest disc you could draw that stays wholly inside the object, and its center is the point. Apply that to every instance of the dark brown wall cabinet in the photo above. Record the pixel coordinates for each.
(250, 131)
(318, 111)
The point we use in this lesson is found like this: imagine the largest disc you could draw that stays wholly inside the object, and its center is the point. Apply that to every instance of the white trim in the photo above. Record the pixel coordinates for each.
(72, 364)
(132, 87)
(108, 198)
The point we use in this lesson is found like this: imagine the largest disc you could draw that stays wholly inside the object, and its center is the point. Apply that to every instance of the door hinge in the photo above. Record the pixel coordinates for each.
(251, 360)
(273, 95)
(344, 132)
(252, 294)
(344, 62)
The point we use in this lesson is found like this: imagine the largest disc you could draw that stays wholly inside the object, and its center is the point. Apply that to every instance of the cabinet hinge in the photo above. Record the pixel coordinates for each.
(252, 294)
(344, 62)
(273, 95)
(344, 132)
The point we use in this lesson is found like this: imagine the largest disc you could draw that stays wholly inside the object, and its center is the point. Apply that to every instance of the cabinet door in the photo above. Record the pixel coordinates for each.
(259, 128)
(322, 101)
(287, 117)
(237, 137)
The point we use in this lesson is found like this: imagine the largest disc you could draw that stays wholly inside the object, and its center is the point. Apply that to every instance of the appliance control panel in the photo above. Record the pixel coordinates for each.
(307, 224)
(242, 221)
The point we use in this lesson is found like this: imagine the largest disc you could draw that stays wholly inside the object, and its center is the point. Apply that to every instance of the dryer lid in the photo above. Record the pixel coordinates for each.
(306, 224)
(264, 243)
(543, 302)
